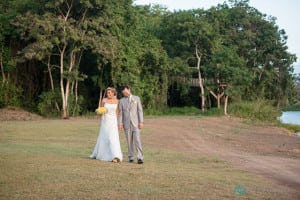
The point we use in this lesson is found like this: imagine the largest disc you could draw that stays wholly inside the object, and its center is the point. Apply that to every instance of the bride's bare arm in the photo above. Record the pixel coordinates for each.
(103, 102)
(118, 109)
(119, 116)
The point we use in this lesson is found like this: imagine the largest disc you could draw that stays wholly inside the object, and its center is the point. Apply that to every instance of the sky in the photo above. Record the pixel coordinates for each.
(287, 13)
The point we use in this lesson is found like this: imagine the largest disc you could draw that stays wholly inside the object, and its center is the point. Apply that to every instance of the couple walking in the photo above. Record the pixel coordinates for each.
(127, 115)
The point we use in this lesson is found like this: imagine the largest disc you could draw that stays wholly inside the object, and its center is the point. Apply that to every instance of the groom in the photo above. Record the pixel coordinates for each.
(131, 120)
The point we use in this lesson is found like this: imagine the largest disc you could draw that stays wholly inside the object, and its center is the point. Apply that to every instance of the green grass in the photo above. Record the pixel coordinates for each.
(174, 111)
(48, 159)
(293, 127)
(184, 111)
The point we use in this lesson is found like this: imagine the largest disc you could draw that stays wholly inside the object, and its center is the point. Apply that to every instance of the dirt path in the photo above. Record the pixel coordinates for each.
(265, 150)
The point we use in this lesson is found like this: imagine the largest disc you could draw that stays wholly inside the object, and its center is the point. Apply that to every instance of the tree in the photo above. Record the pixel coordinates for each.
(142, 62)
(254, 46)
(65, 30)
(189, 32)
(75, 48)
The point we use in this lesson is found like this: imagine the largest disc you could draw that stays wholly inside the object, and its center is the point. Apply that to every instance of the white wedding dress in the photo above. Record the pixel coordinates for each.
(108, 143)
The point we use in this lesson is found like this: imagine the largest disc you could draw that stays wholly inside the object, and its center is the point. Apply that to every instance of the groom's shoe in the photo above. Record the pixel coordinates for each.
(140, 161)
(131, 161)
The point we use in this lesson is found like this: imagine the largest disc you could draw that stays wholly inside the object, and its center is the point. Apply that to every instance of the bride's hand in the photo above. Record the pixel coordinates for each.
(120, 127)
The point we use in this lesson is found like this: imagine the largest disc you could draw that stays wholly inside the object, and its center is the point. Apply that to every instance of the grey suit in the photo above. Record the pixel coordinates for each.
(131, 114)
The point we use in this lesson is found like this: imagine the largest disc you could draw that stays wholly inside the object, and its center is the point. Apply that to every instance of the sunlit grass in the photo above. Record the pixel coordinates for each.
(292, 127)
(48, 159)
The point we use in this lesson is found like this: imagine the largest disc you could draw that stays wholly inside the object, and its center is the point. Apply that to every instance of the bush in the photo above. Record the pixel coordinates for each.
(260, 110)
(75, 109)
(48, 100)
(47, 106)
(10, 95)
(294, 107)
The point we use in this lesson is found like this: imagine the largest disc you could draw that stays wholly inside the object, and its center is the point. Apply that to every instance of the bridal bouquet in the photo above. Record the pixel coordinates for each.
(101, 110)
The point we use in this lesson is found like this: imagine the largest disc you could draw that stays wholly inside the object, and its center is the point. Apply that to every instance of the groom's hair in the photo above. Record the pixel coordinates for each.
(125, 87)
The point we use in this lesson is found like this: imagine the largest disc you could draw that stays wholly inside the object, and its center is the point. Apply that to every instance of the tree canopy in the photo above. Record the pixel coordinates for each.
(57, 57)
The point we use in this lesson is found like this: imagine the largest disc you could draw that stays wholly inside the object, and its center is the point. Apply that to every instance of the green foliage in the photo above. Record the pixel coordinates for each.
(47, 104)
(10, 95)
(258, 110)
(114, 43)
(142, 62)
(75, 108)
(50, 102)
(294, 107)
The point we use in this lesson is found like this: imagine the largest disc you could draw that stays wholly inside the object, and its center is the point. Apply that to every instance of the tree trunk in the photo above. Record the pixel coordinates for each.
(75, 90)
(165, 90)
(100, 97)
(2, 67)
(67, 94)
(51, 81)
(200, 79)
(217, 97)
(76, 98)
(62, 87)
(225, 104)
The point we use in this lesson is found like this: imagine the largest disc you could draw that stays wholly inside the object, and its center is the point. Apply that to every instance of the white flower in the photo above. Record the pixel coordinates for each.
(132, 100)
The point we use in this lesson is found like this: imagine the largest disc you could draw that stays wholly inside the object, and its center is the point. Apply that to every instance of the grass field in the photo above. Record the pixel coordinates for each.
(48, 159)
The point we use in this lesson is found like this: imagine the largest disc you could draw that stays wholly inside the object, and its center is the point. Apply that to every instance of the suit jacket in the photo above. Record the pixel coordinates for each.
(130, 112)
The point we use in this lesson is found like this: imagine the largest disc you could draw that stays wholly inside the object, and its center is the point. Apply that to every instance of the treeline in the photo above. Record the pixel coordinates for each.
(57, 57)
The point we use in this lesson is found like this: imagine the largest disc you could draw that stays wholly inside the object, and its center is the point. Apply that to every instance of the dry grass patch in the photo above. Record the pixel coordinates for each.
(48, 159)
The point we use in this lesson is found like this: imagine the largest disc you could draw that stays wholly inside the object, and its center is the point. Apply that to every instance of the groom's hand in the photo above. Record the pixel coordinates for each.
(141, 125)
(120, 127)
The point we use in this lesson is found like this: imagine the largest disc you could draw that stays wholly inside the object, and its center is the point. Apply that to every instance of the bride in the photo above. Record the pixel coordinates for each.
(108, 143)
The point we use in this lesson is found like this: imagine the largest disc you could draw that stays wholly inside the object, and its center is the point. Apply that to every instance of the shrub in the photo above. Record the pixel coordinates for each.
(294, 107)
(10, 95)
(75, 109)
(47, 106)
(259, 109)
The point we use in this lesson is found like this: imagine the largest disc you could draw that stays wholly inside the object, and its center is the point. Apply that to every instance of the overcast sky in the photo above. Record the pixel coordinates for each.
(287, 13)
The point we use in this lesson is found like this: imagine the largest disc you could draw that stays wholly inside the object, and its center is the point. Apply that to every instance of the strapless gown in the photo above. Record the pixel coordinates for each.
(108, 143)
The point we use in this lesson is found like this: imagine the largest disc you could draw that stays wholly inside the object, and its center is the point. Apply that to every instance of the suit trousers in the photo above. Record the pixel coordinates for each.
(134, 142)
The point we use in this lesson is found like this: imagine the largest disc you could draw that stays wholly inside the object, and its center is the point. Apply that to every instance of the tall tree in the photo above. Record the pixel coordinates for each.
(142, 62)
(65, 30)
(189, 32)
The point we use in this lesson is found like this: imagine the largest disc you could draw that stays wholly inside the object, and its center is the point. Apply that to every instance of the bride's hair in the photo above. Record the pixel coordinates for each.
(112, 89)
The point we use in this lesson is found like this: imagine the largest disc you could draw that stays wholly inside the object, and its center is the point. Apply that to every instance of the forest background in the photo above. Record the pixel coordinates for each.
(57, 57)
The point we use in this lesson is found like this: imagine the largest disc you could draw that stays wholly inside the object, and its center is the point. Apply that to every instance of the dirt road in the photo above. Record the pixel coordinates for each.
(265, 150)
(269, 151)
